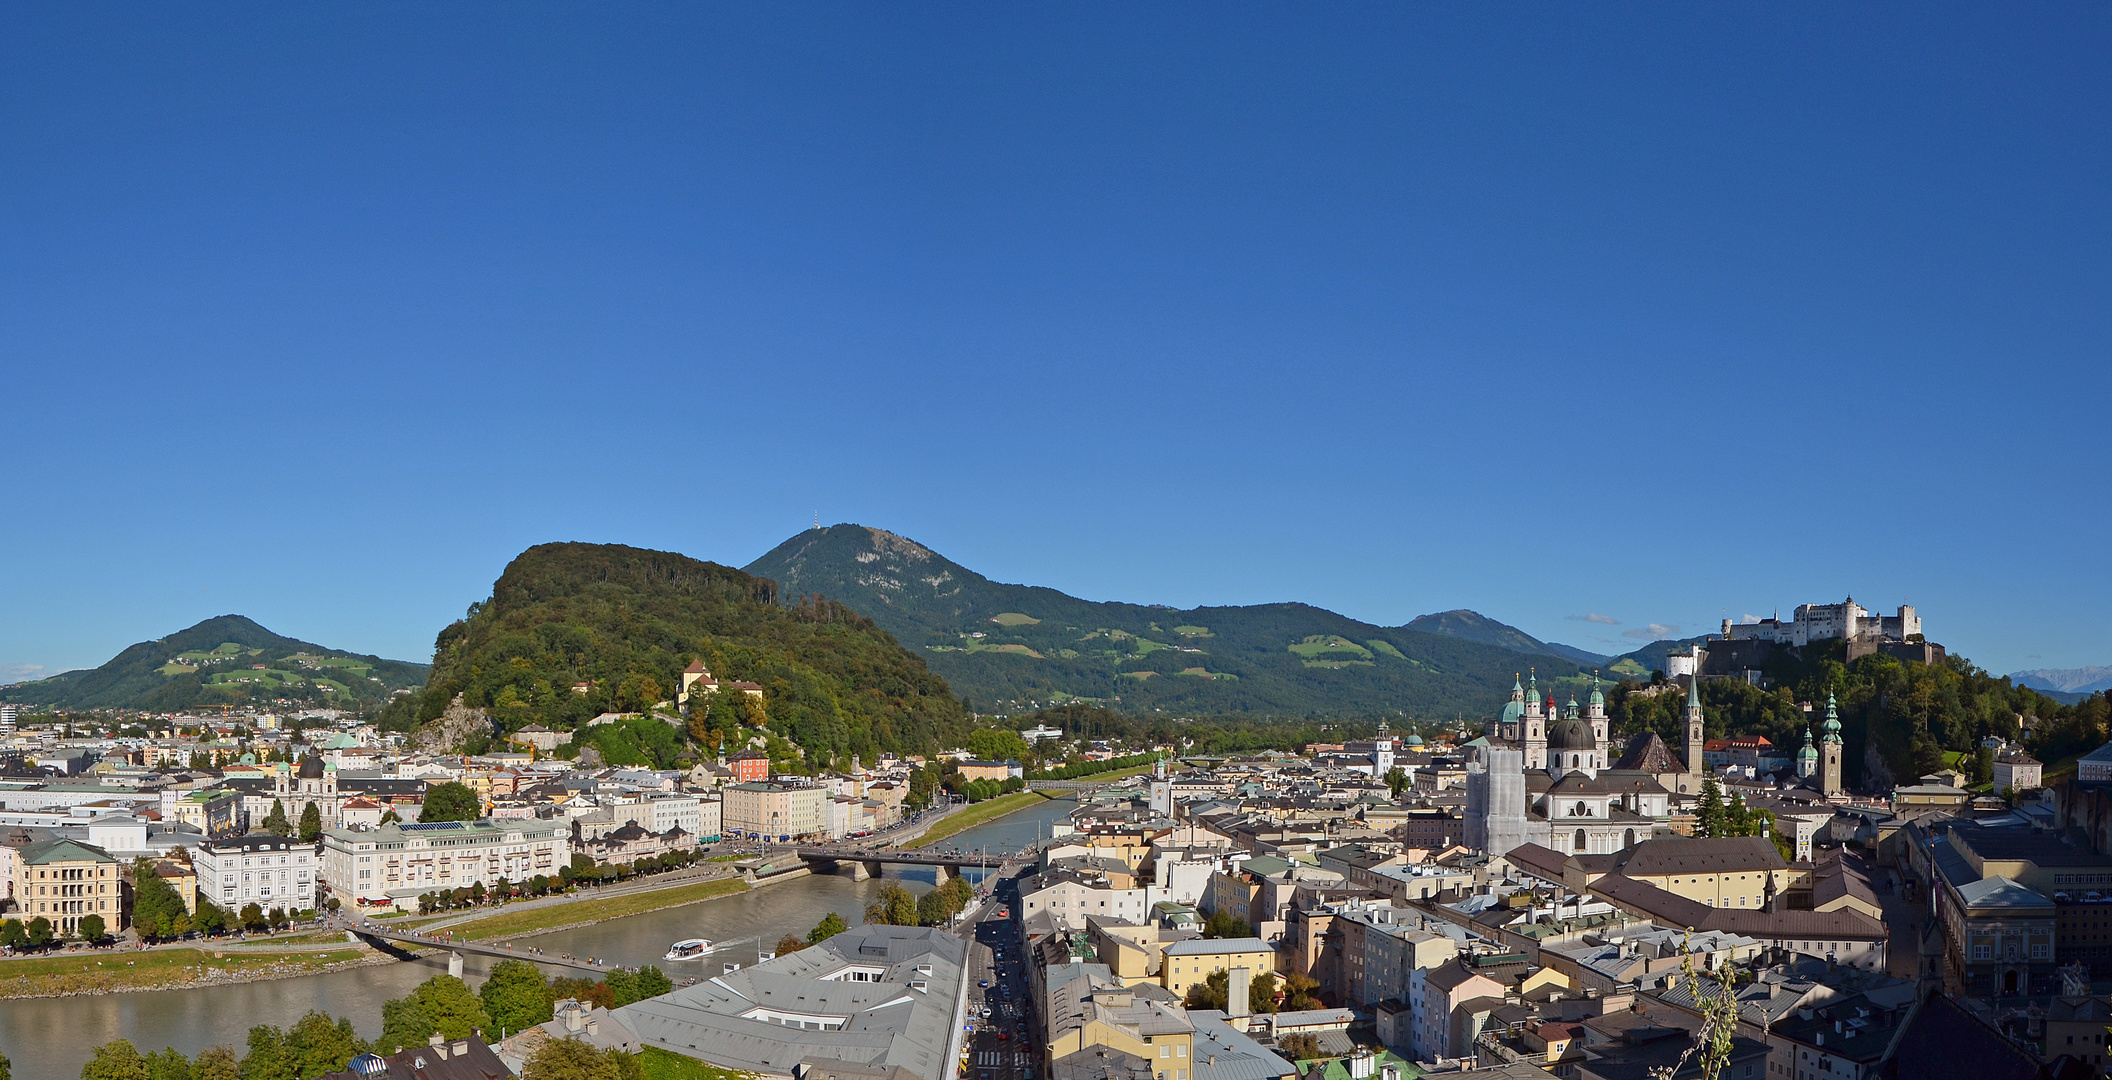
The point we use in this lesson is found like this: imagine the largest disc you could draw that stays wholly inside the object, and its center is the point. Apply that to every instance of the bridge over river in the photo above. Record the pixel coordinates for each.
(502, 950)
(862, 864)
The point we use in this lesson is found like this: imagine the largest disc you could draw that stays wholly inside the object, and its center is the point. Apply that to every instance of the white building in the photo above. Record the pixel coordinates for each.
(399, 862)
(1069, 898)
(663, 812)
(268, 871)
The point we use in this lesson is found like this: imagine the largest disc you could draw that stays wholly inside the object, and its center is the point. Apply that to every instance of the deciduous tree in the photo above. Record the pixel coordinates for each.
(515, 996)
(572, 1059)
(829, 926)
(117, 1059)
(450, 801)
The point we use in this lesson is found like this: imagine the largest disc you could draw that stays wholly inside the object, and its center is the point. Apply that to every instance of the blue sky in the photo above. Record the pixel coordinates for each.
(1662, 314)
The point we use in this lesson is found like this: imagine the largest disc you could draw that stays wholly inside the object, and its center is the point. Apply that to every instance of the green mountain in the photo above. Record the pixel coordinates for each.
(575, 630)
(1010, 647)
(1474, 626)
(228, 660)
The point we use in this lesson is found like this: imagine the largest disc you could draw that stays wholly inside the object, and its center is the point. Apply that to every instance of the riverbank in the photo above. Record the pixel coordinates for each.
(71, 974)
(979, 814)
(589, 910)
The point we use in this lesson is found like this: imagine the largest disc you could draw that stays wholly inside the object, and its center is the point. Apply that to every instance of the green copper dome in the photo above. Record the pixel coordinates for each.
(1832, 727)
(1809, 753)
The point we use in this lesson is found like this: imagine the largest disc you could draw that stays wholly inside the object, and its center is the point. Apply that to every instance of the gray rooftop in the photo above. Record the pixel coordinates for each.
(748, 1020)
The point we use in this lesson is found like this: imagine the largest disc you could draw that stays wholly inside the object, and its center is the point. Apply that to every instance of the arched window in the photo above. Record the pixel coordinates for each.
(1580, 840)
(1630, 839)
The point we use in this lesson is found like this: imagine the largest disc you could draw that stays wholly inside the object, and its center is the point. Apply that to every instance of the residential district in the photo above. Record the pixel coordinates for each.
(1534, 898)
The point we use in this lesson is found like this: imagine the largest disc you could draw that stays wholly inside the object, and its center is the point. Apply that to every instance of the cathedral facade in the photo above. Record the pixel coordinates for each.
(1540, 775)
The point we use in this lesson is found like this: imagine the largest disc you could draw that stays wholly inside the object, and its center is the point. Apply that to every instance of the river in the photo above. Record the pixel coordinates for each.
(50, 1038)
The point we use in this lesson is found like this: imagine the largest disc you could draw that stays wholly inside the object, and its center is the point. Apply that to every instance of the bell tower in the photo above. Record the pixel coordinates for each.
(1830, 751)
(1532, 735)
(1692, 744)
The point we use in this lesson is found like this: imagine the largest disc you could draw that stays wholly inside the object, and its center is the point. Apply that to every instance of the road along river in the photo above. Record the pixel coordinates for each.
(50, 1038)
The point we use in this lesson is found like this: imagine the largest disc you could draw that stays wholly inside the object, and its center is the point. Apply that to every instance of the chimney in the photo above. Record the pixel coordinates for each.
(573, 1015)
(1238, 984)
(439, 1045)
(593, 1027)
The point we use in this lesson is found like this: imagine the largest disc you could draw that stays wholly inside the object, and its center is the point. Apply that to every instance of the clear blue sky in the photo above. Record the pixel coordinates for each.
(320, 313)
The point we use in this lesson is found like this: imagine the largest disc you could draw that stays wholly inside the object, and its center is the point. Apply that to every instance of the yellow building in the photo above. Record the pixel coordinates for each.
(1726, 872)
(66, 881)
(1189, 962)
(1086, 1011)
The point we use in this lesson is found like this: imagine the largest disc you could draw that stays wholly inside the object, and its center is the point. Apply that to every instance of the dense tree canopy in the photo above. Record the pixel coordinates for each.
(1897, 717)
(618, 625)
(451, 801)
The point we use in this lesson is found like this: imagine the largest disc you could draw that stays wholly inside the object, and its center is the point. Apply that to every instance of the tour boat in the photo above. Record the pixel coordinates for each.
(688, 949)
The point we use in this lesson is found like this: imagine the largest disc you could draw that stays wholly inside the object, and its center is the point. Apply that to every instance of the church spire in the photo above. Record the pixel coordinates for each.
(1832, 726)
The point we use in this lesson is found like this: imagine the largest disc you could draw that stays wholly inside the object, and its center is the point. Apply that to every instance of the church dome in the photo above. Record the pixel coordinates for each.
(1413, 740)
(311, 768)
(1571, 734)
(1512, 712)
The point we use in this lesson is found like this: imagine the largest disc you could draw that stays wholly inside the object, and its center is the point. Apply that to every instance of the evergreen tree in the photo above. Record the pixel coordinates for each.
(311, 824)
(1709, 819)
(275, 822)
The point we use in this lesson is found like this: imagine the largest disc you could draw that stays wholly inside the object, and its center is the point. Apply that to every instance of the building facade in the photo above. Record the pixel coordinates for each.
(268, 871)
(761, 810)
(400, 862)
(67, 881)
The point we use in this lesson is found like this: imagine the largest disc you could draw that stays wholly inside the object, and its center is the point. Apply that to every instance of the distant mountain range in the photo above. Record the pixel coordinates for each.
(1474, 626)
(1008, 647)
(2082, 680)
(227, 660)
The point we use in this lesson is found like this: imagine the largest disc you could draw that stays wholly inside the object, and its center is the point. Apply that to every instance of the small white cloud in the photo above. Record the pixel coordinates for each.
(1652, 632)
(1748, 619)
(1595, 617)
(10, 673)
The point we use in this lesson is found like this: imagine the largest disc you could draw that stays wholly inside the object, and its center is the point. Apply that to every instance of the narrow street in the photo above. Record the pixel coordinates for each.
(1004, 1046)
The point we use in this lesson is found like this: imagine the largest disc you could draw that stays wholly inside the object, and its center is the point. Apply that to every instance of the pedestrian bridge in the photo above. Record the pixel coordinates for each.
(499, 949)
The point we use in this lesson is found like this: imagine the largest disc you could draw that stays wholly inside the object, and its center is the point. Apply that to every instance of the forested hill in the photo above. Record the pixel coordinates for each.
(227, 660)
(627, 621)
(1009, 647)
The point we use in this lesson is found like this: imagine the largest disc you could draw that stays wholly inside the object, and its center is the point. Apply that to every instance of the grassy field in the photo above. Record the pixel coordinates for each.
(514, 923)
(987, 810)
(92, 973)
(658, 1064)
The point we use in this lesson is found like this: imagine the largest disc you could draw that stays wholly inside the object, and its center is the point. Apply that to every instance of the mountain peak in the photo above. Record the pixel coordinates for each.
(1018, 646)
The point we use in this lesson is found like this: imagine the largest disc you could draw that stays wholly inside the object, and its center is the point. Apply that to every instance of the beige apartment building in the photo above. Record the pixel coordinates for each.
(66, 881)
(766, 811)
